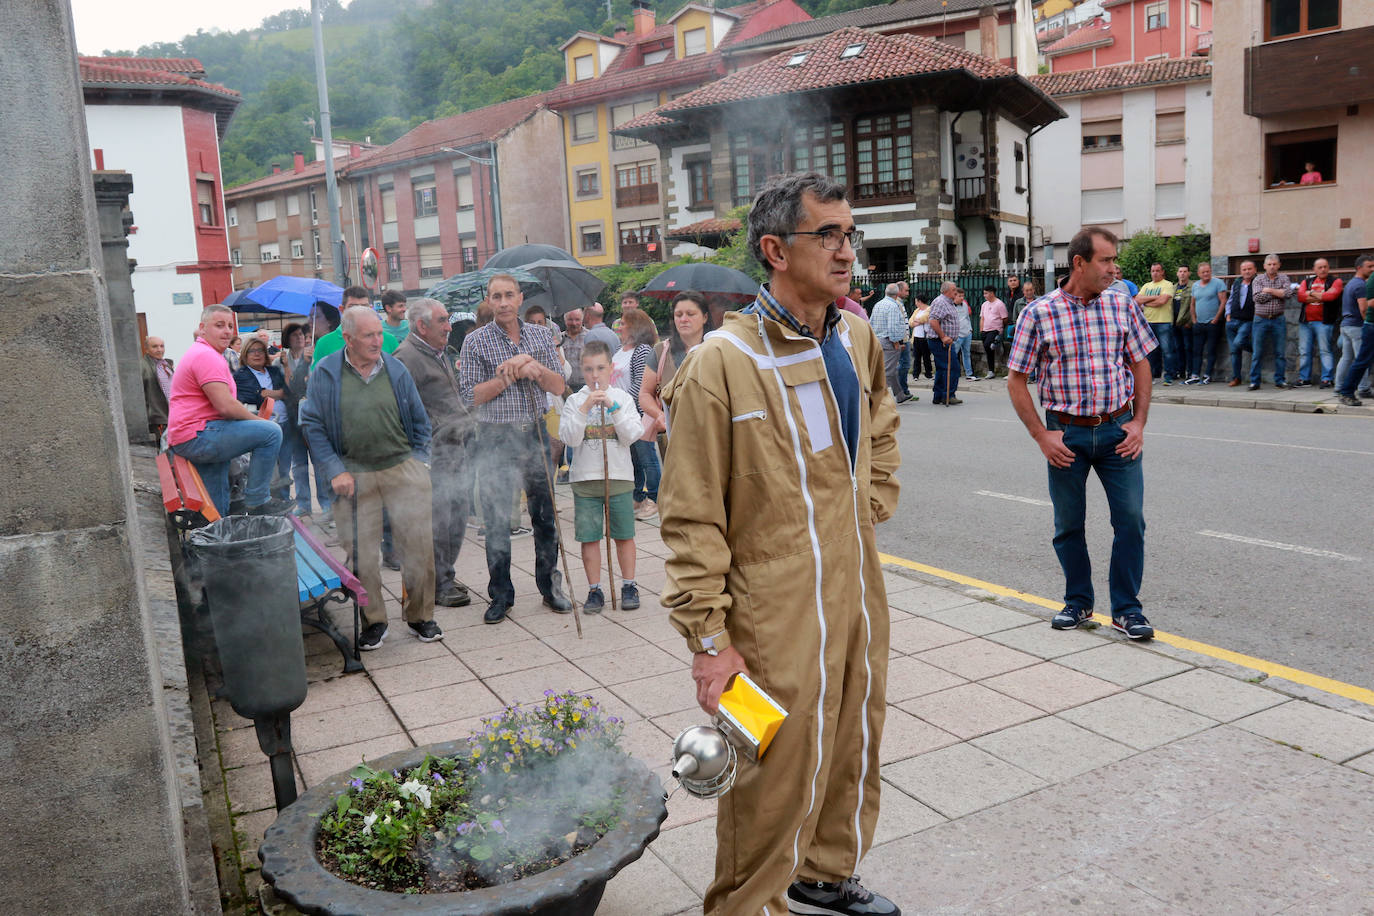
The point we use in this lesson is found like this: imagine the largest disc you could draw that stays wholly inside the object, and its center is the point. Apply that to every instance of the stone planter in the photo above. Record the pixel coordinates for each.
(290, 863)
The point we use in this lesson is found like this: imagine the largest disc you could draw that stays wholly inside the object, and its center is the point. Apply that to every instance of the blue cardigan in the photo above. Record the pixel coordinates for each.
(321, 420)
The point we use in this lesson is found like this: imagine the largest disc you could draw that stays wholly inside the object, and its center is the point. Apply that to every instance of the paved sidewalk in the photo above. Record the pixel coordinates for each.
(1025, 770)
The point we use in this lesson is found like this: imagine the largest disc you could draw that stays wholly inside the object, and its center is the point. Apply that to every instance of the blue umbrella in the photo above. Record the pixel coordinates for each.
(294, 295)
(238, 301)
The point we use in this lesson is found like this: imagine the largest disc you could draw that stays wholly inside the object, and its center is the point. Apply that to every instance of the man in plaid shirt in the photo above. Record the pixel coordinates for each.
(505, 369)
(943, 331)
(1090, 345)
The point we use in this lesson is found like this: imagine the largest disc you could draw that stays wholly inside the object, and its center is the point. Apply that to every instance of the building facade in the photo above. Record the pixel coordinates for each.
(160, 121)
(1293, 86)
(1134, 31)
(1135, 151)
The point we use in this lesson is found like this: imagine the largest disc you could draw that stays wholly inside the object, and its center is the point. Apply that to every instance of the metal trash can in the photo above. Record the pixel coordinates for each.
(248, 567)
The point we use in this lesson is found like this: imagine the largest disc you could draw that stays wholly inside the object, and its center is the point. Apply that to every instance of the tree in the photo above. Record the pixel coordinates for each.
(1148, 247)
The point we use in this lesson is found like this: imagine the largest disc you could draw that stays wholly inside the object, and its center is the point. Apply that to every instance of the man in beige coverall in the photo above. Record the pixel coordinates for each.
(774, 569)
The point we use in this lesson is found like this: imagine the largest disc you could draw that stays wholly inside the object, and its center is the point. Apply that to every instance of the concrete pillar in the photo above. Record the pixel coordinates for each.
(112, 190)
(926, 186)
(89, 805)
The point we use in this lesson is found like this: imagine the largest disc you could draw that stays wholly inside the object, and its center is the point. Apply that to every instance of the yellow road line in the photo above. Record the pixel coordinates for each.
(1273, 669)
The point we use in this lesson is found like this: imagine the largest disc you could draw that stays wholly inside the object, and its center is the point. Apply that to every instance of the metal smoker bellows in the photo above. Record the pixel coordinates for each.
(704, 762)
(706, 757)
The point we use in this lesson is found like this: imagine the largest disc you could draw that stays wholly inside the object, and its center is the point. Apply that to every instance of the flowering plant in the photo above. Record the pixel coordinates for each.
(530, 794)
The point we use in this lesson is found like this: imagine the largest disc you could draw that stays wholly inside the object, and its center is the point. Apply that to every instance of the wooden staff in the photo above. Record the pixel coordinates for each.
(557, 525)
(606, 505)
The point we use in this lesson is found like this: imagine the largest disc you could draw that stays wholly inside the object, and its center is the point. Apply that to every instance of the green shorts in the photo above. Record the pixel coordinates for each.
(589, 511)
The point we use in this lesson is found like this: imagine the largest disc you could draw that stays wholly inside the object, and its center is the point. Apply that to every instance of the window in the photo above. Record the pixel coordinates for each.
(1019, 153)
(1103, 206)
(205, 202)
(694, 42)
(297, 249)
(796, 60)
(269, 252)
(639, 241)
(236, 257)
(589, 239)
(1283, 18)
(584, 126)
(588, 182)
(1157, 15)
(582, 68)
(1286, 155)
(882, 156)
(623, 114)
(1015, 250)
(469, 258)
(431, 261)
(1195, 13)
(1170, 201)
(315, 243)
(314, 207)
(656, 57)
(233, 215)
(635, 185)
(293, 205)
(266, 209)
(752, 160)
(426, 201)
(1099, 135)
(1169, 127)
(388, 205)
(852, 51)
(820, 147)
(699, 184)
(466, 199)
(393, 265)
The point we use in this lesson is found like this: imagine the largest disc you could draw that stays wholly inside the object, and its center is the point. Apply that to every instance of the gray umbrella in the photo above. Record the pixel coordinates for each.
(567, 284)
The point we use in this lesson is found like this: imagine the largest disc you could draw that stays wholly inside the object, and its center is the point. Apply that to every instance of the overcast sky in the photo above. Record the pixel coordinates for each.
(102, 25)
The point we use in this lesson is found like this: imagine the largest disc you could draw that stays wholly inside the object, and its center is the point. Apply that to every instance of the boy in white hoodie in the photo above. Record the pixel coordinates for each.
(601, 417)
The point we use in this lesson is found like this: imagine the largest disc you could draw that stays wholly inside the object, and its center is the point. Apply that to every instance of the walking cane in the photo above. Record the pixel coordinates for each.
(606, 505)
(557, 525)
(353, 553)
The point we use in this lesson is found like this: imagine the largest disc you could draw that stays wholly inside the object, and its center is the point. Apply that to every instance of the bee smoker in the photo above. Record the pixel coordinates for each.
(706, 757)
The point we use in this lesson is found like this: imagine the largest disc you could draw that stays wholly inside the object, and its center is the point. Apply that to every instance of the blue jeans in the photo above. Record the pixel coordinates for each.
(300, 474)
(904, 367)
(1269, 329)
(1351, 335)
(223, 440)
(1362, 360)
(946, 370)
(1124, 483)
(964, 346)
(1162, 356)
(1238, 337)
(1183, 352)
(1206, 336)
(1307, 332)
(644, 456)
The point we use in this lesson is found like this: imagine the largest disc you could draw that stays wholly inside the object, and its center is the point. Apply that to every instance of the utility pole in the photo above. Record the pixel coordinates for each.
(331, 184)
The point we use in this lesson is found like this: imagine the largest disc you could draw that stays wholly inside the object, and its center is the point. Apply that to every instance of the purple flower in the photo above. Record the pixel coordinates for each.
(437, 778)
(356, 783)
(466, 828)
(396, 773)
(548, 693)
(498, 826)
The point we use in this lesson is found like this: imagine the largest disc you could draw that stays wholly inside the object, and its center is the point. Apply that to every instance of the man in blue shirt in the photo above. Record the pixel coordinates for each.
(1209, 300)
(1353, 308)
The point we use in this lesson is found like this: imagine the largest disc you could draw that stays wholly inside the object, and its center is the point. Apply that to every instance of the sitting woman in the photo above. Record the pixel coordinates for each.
(638, 337)
(691, 322)
(257, 379)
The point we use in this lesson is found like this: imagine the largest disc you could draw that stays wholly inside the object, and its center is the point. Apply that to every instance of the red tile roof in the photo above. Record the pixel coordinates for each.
(1093, 33)
(460, 130)
(187, 65)
(150, 72)
(312, 172)
(875, 16)
(1124, 76)
(712, 226)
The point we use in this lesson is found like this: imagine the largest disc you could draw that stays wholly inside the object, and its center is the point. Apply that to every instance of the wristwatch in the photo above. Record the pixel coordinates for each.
(708, 645)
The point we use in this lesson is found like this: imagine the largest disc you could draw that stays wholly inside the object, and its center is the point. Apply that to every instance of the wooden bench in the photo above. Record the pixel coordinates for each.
(320, 579)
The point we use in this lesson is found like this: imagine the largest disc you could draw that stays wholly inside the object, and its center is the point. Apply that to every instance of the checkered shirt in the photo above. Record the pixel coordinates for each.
(488, 347)
(1082, 350)
(943, 310)
(889, 320)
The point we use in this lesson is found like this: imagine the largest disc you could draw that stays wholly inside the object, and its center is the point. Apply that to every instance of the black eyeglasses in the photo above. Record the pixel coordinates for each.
(833, 239)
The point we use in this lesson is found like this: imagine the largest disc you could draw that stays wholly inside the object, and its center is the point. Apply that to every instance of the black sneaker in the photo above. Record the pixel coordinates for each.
(496, 612)
(372, 637)
(283, 507)
(1349, 401)
(1254, 386)
(952, 401)
(1302, 383)
(1133, 625)
(596, 601)
(840, 898)
(426, 631)
(629, 597)
(1071, 617)
(457, 596)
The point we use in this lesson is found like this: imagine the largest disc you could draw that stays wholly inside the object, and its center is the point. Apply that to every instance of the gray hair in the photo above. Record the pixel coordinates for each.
(352, 314)
(209, 310)
(948, 287)
(778, 208)
(418, 310)
(893, 289)
(1272, 255)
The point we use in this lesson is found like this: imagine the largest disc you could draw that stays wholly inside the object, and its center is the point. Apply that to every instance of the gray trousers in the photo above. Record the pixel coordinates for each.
(892, 358)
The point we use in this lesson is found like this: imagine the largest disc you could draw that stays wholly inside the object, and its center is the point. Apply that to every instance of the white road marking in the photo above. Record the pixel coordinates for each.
(1305, 448)
(1279, 545)
(1014, 498)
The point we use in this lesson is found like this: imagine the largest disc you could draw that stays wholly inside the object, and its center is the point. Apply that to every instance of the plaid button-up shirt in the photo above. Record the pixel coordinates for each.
(1268, 305)
(1083, 350)
(947, 314)
(488, 347)
(889, 320)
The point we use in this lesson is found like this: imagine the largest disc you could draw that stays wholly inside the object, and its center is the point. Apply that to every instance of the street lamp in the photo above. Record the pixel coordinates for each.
(495, 187)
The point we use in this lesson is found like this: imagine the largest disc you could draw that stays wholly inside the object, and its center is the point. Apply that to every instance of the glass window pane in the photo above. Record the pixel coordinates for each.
(1284, 17)
(1323, 14)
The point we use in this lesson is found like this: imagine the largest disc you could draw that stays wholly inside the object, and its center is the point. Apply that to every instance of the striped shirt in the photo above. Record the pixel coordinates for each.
(488, 347)
(1082, 350)
(889, 320)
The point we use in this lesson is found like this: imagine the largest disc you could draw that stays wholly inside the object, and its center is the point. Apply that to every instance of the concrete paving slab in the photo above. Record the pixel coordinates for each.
(479, 636)
(1052, 749)
(1051, 687)
(422, 675)
(647, 742)
(919, 635)
(1213, 695)
(1138, 721)
(250, 828)
(896, 582)
(1086, 889)
(960, 779)
(1364, 763)
(922, 599)
(975, 659)
(346, 725)
(513, 656)
(900, 815)
(400, 648)
(447, 731)
(683, 807)
(528, 686)
(980, 618)
(970, 710)
(1330, 734)
(656, 630)
(905, 736)
(646, 887)
(1041, 640)
(661, 694)
(444, 704)
(910, 677)
(1129, 666)
(689, 852)
(250, 787)
(594, 642)
(629, 664)
(337, 692)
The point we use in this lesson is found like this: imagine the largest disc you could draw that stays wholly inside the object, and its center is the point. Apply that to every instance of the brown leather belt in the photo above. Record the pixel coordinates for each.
(1096, 419)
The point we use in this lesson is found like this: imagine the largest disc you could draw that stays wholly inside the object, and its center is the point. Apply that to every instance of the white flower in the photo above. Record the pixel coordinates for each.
(395, 806)
(368, 822)
(422, 793)
(417, 789)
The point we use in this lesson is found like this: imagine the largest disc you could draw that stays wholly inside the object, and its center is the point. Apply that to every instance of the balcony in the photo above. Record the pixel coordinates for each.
(636, 195)
(880, 190)
(972, 197)
(641, 253)
(1336, 61)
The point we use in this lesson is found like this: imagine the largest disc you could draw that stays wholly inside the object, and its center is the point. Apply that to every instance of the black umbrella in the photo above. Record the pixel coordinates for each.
(567, 284)
(703, 277)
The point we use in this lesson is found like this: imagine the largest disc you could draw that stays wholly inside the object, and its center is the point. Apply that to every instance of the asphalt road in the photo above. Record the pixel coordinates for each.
(1259, 534)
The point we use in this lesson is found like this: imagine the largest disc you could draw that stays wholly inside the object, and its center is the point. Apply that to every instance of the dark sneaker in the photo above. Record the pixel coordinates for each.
(457, 596)
(496, 612)
(390, 562)
(520, 531)
(558, 602)
(1071, 617)
(327, 518)
(1254, 386)
(1192, 380)
(1326, 385)
(840, 898)
(595, 603)
(1364, 393)
(372, 637)
(952, 401)
(1349, 401)
(273, 507)
(629, 598)
(1302, 383)
(1133, 625)
(1282, 386)
(426, 631)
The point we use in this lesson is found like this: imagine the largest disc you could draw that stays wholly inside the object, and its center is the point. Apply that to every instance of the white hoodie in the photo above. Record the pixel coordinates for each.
(572, 428)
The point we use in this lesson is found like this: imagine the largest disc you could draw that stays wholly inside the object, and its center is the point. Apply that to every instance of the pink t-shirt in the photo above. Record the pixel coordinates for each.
(188, 409)
(993, 316)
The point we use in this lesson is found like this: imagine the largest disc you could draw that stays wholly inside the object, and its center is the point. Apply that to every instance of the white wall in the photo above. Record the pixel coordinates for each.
(1056, 175)
(149, 142)
(679, 190)
(1138, 160)
(1008, 135)
(1197, 125)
